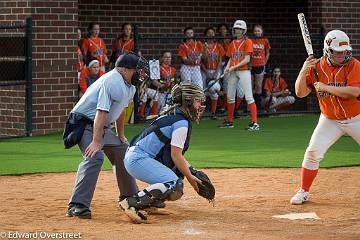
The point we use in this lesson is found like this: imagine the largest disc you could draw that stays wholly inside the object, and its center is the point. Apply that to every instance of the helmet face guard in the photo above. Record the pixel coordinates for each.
(132, 60)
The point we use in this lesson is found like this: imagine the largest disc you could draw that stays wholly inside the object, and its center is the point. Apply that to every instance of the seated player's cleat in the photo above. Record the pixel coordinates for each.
(135, 215)
(213, 116)
(300, 197)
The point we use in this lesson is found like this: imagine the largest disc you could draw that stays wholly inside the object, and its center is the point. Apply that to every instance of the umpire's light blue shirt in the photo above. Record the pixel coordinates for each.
(110, 93)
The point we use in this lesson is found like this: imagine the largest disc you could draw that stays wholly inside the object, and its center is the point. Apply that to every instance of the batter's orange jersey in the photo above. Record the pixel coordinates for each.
(96, 48)
(83, 75)
(121, 46)
(167, 77)
(237, 51)
(331, 106)
(213, 53)
(260, 46)
(274, 86)
(191, 50)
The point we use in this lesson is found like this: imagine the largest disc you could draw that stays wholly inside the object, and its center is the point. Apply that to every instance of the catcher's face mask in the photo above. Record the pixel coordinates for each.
(199, 107)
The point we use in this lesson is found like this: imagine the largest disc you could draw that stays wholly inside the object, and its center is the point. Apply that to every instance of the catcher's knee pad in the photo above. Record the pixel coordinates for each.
(175, 192)
(312, 159)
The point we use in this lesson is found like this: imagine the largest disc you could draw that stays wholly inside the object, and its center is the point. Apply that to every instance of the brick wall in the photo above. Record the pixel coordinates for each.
(54, 72)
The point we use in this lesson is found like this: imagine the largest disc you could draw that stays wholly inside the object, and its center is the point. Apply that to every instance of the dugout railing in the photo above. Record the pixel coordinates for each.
(16, 79)
(287, 52)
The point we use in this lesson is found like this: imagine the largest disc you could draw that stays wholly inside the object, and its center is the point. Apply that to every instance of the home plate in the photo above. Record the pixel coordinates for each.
(295, 216)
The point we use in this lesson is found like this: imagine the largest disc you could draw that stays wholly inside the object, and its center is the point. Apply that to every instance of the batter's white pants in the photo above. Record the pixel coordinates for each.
(239, 83)
(326, 133)
(191, 74)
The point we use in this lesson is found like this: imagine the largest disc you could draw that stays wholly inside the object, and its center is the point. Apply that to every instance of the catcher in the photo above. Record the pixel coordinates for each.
(156, 155)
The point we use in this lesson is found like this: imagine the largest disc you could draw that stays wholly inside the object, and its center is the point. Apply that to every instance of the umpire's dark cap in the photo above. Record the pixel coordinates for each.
(128, 60)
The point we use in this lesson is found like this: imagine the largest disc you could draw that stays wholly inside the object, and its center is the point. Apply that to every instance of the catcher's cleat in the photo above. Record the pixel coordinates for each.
(135, 215)
(300, 197)
(79, 211)
(155, 206)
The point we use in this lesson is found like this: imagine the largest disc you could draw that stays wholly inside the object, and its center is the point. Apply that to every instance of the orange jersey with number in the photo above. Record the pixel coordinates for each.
(274, 86)
(331, 106)
(260, 46)
(96, 48)
(167, 77)
(237, 51)
(212, 56)
(192, 50)
(121, 46)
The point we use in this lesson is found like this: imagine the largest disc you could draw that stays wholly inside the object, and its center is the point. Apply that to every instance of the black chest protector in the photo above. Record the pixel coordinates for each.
(164, 155)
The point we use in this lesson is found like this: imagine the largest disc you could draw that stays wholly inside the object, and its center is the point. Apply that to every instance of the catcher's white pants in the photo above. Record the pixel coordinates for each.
(326, 133)
(191, 74)
(149, 93)
(239, 83)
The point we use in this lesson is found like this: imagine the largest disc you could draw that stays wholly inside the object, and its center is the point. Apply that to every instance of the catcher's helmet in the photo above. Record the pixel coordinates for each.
(184, 94)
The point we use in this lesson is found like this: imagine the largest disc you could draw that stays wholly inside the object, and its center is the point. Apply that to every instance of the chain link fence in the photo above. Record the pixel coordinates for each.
(287, 52)
(15, 79)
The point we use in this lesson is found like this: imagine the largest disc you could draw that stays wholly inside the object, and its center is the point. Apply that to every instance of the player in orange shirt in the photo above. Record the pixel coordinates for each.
(123, 44)
(238, 74)
(80, 62)
(277, 95)
(223, 31)
(336, 79)
(190, 52)
(211, 66)
(94, 46)
(259, 59)
(90, 74)
(167, 80)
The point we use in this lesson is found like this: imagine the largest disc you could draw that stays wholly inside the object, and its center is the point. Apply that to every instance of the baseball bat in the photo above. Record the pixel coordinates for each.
(212, 84)
(307, 40)
(305, 34)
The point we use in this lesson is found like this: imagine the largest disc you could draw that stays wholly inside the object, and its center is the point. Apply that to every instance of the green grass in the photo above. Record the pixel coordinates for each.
(280, 143)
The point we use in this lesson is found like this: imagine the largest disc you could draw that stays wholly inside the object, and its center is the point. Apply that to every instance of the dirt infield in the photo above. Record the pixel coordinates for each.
(245, 203)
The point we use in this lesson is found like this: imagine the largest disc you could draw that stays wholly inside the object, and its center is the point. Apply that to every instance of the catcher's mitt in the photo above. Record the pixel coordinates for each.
(206, 188)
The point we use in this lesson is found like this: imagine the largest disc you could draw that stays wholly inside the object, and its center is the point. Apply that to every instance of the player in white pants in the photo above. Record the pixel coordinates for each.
(237, 69)
(337, 87)
(190, 52)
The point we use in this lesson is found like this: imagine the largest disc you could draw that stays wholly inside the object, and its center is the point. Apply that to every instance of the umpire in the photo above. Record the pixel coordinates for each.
(88, 125)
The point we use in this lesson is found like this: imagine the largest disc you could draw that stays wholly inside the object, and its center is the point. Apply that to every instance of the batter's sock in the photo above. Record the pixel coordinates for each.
(230, 111)
(307, 178)
(142, 109)
(154, 108)
(213, 105)
(237, 103)
(253, 113)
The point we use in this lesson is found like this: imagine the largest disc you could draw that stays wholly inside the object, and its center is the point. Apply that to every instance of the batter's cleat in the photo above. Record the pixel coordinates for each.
(135, 215)
(79, 210)
(253, 127)
(300, 197)
(227, 124)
